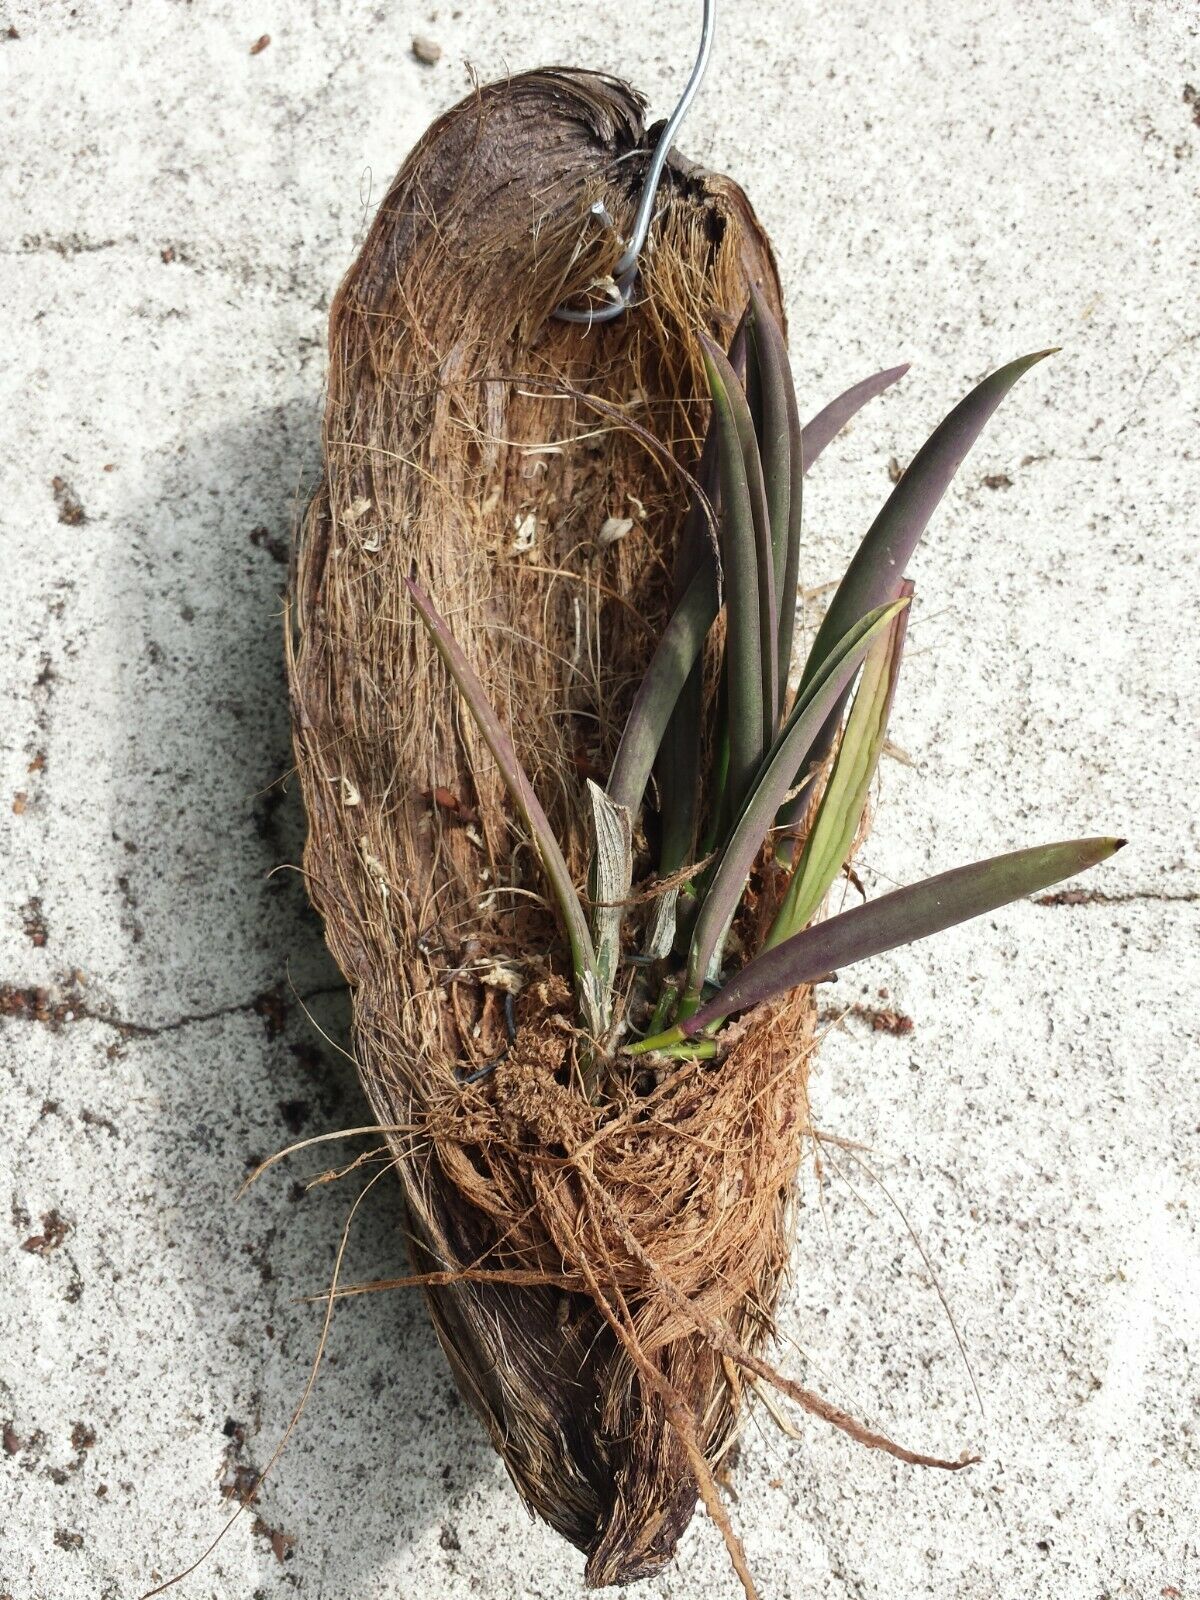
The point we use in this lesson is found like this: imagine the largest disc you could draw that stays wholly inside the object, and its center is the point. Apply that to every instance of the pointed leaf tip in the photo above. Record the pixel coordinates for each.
(822, 429)
(893, 536)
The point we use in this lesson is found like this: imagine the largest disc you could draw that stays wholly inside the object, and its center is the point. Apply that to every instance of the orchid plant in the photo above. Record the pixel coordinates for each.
(756, 806)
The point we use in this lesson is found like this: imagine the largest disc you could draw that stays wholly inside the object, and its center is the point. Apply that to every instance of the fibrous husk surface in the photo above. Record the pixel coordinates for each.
(590, 1260)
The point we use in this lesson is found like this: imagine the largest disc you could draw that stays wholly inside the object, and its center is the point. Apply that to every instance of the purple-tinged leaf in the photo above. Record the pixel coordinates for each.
(677, 653)
(874, 574)
(879, 562)
(676, 768)
(679, 648)
(827, 424)
(901, 917)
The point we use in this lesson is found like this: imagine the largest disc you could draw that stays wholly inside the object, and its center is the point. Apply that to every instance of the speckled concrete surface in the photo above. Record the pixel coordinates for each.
(952, 184)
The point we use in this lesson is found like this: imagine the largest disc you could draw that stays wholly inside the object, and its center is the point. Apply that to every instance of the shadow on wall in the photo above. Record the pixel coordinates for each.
(230, 945)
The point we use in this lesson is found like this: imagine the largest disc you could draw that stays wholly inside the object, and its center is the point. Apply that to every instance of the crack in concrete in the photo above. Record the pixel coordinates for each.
(1097, 897)
(38, 1005)
(145, 1030)
(64, 244)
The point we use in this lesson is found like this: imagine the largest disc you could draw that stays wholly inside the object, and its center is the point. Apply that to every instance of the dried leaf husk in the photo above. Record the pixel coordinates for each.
(585, 1247)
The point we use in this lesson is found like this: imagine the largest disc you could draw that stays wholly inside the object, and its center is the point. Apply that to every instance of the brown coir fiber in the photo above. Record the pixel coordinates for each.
(602, 1270)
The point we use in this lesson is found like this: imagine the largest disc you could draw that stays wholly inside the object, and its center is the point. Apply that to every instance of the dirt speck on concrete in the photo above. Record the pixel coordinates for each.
(70, 509)
(55, 1229)
(33, 920)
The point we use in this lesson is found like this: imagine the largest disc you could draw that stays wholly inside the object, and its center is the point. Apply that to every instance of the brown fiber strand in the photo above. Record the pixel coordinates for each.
(248, 1497)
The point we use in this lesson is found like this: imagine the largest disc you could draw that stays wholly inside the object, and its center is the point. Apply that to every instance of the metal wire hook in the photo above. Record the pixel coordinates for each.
(625, 270)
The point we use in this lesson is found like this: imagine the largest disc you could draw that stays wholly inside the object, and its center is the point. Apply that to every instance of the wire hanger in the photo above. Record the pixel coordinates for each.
(625, 271)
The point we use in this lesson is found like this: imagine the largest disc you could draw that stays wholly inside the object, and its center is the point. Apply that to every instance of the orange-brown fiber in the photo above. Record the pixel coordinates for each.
(608, 1261)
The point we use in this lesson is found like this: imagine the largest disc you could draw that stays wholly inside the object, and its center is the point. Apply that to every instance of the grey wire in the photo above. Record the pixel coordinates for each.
(625, 271)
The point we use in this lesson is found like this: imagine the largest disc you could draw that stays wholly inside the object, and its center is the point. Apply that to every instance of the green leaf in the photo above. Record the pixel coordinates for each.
(657, 694)
(677, 773)
(519, 787)
(676, 758)
(782, 451)
(657, 703)
(841, 808)
(769, 788)
(698, 537)
(751, 650)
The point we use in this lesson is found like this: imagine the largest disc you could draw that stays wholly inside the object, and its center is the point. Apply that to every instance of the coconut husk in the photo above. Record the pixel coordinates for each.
(601, 1268)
